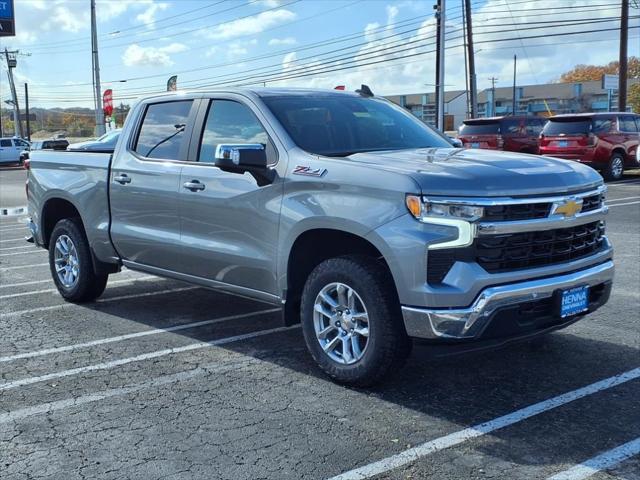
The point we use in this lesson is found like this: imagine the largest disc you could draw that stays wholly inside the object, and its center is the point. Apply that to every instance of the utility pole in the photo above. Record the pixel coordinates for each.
(622, 73)
(493, 96)
(11, 64)
(26, 106)
(473, 97)
(100, 129)
(515, 59)
(440, 31)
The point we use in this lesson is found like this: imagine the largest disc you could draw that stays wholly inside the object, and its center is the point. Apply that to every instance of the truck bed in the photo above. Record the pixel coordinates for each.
(81, 179)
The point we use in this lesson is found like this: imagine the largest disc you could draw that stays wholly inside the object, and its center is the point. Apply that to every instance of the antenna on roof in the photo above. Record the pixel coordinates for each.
(365, 91)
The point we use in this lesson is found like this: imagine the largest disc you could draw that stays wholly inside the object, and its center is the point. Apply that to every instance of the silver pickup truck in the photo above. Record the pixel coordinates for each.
(364, 224)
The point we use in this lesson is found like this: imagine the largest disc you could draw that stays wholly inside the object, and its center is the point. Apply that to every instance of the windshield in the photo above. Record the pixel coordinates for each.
(570, 126)
(333, 125)
(484, 128)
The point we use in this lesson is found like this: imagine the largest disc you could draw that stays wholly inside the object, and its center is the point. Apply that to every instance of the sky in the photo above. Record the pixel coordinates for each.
(385, 44)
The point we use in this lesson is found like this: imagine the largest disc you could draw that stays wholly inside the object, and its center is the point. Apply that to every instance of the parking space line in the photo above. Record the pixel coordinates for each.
(412, 454)
(4, 240)
(607, 459)
(620, 199)
(48, 280)
(102, 300)
(128, 336)
(4, 249)
(35, 251)
(139, 358)
(17, 267)
(621, 204)
(53, 290)
(11, 229)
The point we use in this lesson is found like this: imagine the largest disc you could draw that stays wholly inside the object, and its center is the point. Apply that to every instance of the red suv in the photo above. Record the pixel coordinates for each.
(605, 141)
(514, 134)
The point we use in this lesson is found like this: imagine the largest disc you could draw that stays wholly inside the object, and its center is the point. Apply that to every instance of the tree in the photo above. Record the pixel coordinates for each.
(586, 73)
(633, 97)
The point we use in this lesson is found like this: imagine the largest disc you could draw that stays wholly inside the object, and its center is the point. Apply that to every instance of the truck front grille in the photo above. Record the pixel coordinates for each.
(518, 251)
(515, 212)
(504, 253)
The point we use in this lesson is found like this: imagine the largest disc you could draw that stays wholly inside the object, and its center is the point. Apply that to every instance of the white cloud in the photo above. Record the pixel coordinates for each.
(135, 55)
(289, 60)
(149, 15)
(67, 21)
(251, 25)
(282, 41)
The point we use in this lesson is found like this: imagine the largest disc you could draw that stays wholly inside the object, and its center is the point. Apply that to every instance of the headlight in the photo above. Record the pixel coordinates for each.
(427, 209)
(448, 214)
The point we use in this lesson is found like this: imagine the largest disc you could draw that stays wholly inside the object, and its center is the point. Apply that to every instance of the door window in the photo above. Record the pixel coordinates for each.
(230, 122)
(162, 131)
(627, 124)
(5, 143)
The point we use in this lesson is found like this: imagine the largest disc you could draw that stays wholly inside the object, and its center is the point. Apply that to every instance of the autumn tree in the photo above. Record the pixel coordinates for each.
(633, 97)
(586, 73)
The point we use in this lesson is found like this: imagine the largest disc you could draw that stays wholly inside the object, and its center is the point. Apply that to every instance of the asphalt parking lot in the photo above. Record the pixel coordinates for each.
(158, 379)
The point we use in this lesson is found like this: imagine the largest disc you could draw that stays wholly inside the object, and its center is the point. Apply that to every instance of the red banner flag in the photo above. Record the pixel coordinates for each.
(107, 102)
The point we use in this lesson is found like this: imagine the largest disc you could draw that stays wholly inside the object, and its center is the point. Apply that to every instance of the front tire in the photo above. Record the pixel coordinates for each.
(351, 320)
(615, 168)
(71, 263)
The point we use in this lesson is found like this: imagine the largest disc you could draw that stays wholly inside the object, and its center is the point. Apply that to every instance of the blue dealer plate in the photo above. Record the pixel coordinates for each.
(475, 145)
(574, 301)
(563, 143)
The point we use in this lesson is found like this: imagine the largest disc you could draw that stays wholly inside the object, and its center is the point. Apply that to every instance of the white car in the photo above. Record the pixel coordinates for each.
(11, 150)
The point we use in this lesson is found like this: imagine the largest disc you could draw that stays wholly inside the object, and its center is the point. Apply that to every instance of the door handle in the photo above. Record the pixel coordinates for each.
(193, 185)
(122, 179)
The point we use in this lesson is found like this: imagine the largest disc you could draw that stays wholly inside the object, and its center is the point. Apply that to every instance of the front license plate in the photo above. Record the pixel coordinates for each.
(475, 145)
(563, 143)
(574, 301)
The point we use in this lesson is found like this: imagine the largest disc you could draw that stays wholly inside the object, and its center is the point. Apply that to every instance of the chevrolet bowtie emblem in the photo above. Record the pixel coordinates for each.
(568, 208)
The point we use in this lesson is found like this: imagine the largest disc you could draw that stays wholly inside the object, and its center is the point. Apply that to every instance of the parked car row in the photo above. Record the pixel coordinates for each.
(605, 141)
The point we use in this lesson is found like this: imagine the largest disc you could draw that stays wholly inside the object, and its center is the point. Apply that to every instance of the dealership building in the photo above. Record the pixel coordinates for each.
(542, 100)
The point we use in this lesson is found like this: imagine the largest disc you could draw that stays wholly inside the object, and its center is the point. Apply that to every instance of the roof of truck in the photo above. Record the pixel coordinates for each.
(264, 91)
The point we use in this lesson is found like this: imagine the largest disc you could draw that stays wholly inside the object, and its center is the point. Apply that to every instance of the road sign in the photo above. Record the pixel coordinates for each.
(7, 20)
(609, 82)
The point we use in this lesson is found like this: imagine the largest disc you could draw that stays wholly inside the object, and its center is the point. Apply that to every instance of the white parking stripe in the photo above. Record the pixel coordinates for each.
(128, 336)
(11, 229)
(17, 267)
(34, 251)
(620, 199)
(48, 280)
(4, 240)
(607, 459)
(102, 300)
(17, 248)
(53, 290)
(139, 358)
(408, 456)
(621, 204)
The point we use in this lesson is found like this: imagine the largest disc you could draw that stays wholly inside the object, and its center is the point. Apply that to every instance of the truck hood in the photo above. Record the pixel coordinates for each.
(483, 173)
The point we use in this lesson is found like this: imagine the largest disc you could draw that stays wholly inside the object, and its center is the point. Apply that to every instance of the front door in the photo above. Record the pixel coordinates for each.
(229, 222)
(145, 183)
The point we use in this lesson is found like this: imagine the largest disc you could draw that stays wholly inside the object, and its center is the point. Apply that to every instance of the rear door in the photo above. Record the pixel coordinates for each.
(230, 222)
(145, 183)
(629, 136)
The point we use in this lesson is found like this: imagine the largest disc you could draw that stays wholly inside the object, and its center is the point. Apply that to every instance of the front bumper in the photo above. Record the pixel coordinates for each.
(494, 304)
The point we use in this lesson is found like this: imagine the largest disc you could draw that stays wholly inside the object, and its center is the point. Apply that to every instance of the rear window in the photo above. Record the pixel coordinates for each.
(567, 127)
(627, 124)
(484, 128)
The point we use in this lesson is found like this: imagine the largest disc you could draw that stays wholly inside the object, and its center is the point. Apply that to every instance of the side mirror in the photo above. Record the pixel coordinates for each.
(456, 142)
(246, 157)
(241, 157)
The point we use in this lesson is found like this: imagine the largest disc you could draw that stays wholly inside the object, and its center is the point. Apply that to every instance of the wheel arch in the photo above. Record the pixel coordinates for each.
(311, 247)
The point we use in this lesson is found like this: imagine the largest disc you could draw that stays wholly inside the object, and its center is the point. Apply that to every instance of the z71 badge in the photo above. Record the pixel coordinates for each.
(308, 171)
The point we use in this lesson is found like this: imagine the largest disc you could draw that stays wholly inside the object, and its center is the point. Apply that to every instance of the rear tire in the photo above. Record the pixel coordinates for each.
(615, 168)
(337, 297)
(71, 263)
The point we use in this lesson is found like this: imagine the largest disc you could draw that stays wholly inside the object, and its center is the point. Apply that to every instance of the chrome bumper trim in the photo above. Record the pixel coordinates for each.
(550, 223)
(470, 322)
